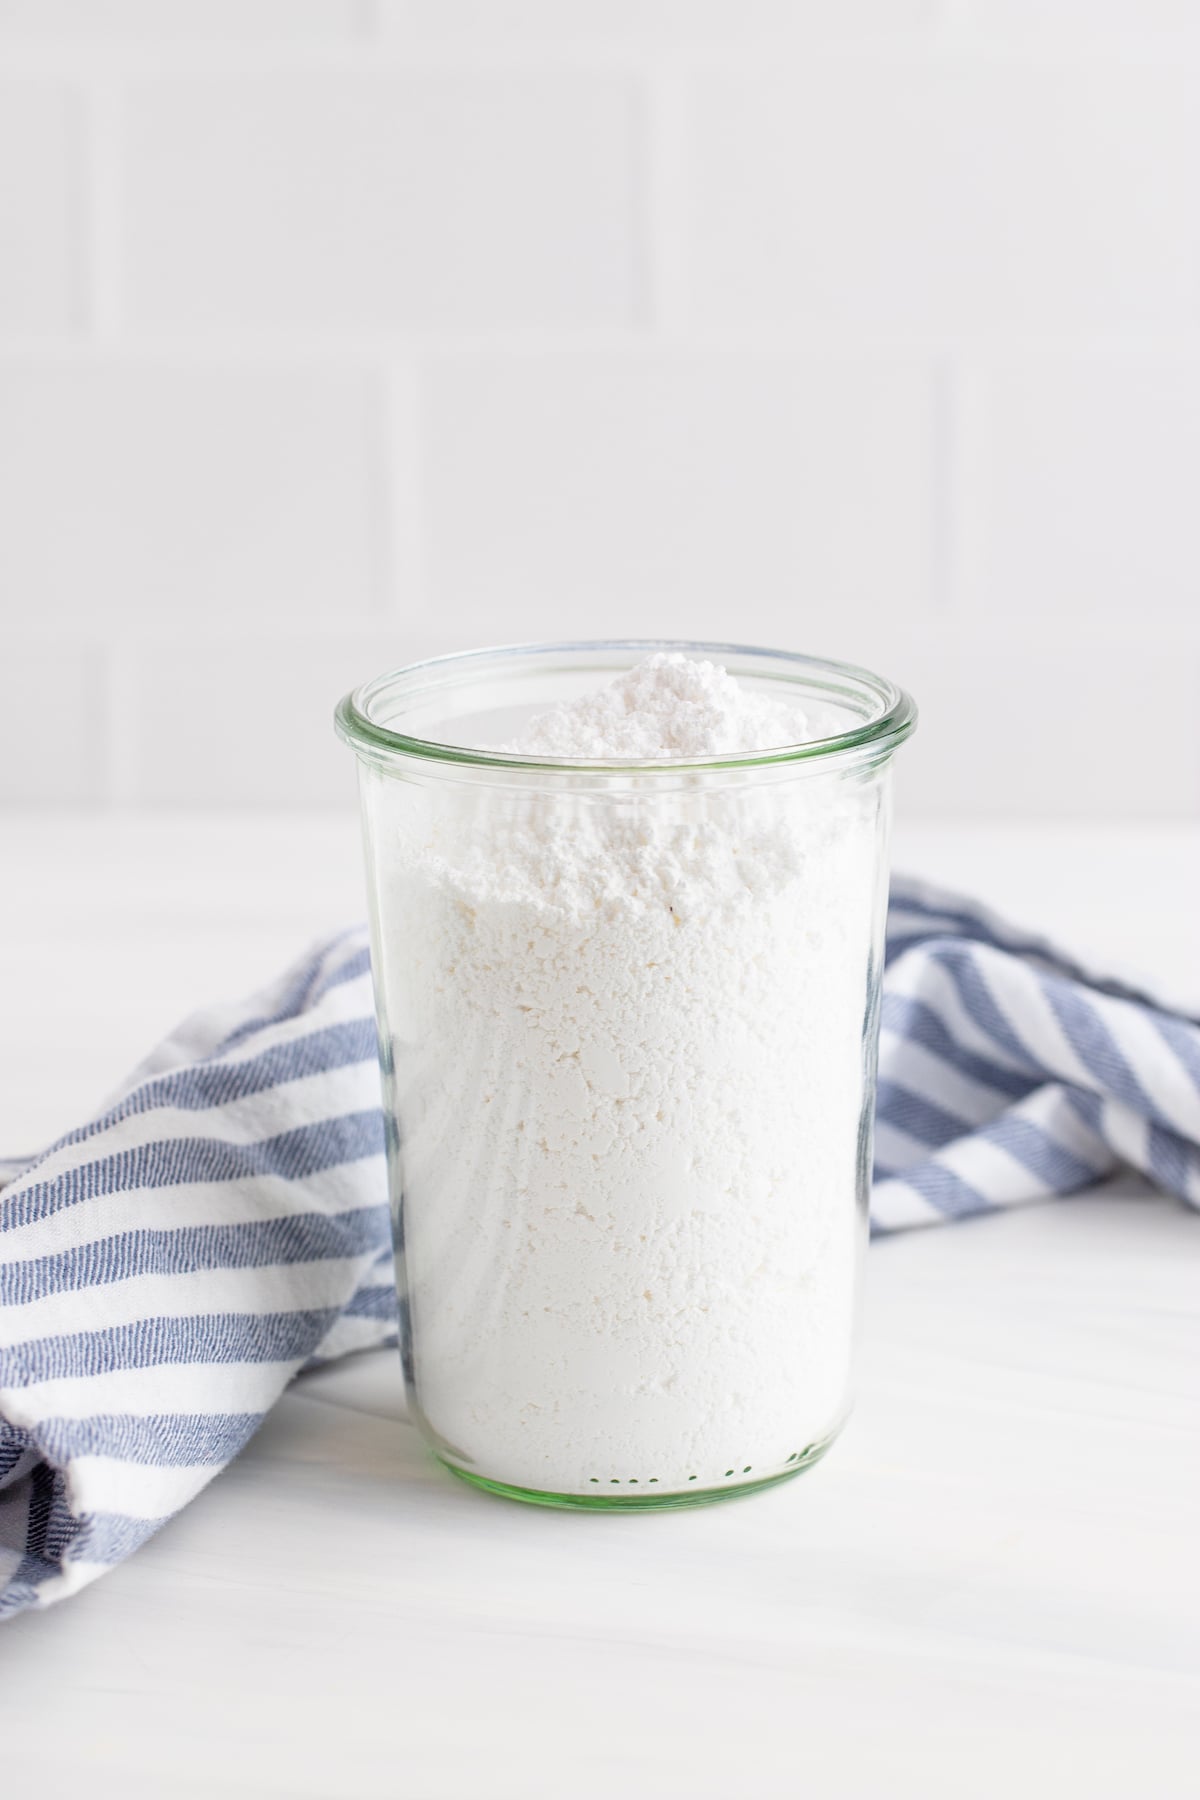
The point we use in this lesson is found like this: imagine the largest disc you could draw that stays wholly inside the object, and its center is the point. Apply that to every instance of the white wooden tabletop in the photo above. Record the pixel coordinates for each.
(990, 1588)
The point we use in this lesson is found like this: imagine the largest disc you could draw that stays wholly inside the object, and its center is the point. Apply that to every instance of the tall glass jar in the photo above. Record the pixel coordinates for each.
(628, 1018)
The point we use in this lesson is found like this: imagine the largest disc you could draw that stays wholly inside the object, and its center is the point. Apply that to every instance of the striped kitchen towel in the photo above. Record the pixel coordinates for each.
(168, 1268)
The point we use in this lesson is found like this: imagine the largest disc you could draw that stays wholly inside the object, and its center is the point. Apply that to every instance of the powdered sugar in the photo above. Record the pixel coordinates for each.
(625, 1032)
(670, 705)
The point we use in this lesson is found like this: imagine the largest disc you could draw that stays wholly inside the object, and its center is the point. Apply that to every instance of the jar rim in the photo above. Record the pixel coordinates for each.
(892, 718)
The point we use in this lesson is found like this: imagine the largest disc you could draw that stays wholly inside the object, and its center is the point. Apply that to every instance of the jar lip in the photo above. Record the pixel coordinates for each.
(893, 720)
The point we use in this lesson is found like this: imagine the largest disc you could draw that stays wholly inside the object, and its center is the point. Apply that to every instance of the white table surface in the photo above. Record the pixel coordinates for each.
(990, 1588)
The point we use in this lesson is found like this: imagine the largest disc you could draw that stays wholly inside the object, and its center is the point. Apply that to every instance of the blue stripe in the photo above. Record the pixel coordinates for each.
(1097, 1049)
(167, 1341)
(175, 1162)
(947, 1192)
(25, 1581)
(14, 1442)
(919, 1118)
(63, 1526)
(294, 1239)
(950, 920)
(1184, 1040)
(1090, 1109)
(207, 1085)
(304, 990)
(111, 1537)
(960, 965)
(912, 920)
(1172, 1161)
(946, 916)
(296, 996)
(372, 1303)
(96, 1538)
(917, 1020)
(1028, 1143)
(353, 969)
(930, 904)
(159, 1440)
(36, 1562)
(1168, 1157)
(899, 943)
(1035, 1150)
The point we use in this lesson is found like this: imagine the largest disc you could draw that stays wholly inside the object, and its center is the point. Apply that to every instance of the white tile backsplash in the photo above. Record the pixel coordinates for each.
(187, 22)
(946, 195)
(1080, 21)
(340, 332)
(1018, 727)
(694, 495)
(435, 200)
(41, 174)
(1088, 477)
(665, 23)
(53, 727)
(140, 491)
(277, 745)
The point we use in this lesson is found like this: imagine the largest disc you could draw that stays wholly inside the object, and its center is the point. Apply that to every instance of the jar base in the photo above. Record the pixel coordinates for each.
(644, 1502)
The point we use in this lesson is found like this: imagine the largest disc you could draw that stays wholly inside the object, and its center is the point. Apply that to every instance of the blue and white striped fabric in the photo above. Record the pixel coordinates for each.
(166, 1270)
(1009, 1073)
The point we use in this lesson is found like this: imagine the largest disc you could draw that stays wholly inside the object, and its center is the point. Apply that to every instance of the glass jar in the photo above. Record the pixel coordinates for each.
(628, 1019)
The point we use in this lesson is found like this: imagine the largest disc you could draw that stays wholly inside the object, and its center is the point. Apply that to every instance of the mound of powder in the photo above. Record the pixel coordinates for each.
(670, 705)
(623, 1028)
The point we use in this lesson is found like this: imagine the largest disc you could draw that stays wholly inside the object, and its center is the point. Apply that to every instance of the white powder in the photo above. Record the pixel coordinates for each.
(667, 706)
(626, 1028)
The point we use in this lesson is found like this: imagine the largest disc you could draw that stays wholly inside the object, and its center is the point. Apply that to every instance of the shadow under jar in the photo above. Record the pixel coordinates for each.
(628, 1021)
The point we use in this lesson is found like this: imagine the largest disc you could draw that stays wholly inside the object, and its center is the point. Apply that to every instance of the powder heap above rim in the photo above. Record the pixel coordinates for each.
(368, 719)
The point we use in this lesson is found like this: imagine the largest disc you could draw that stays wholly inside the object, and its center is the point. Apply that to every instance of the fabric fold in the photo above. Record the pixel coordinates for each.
(167, 1269)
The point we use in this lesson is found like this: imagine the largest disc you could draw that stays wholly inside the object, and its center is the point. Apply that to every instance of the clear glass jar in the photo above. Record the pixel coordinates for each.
(628, 1018)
